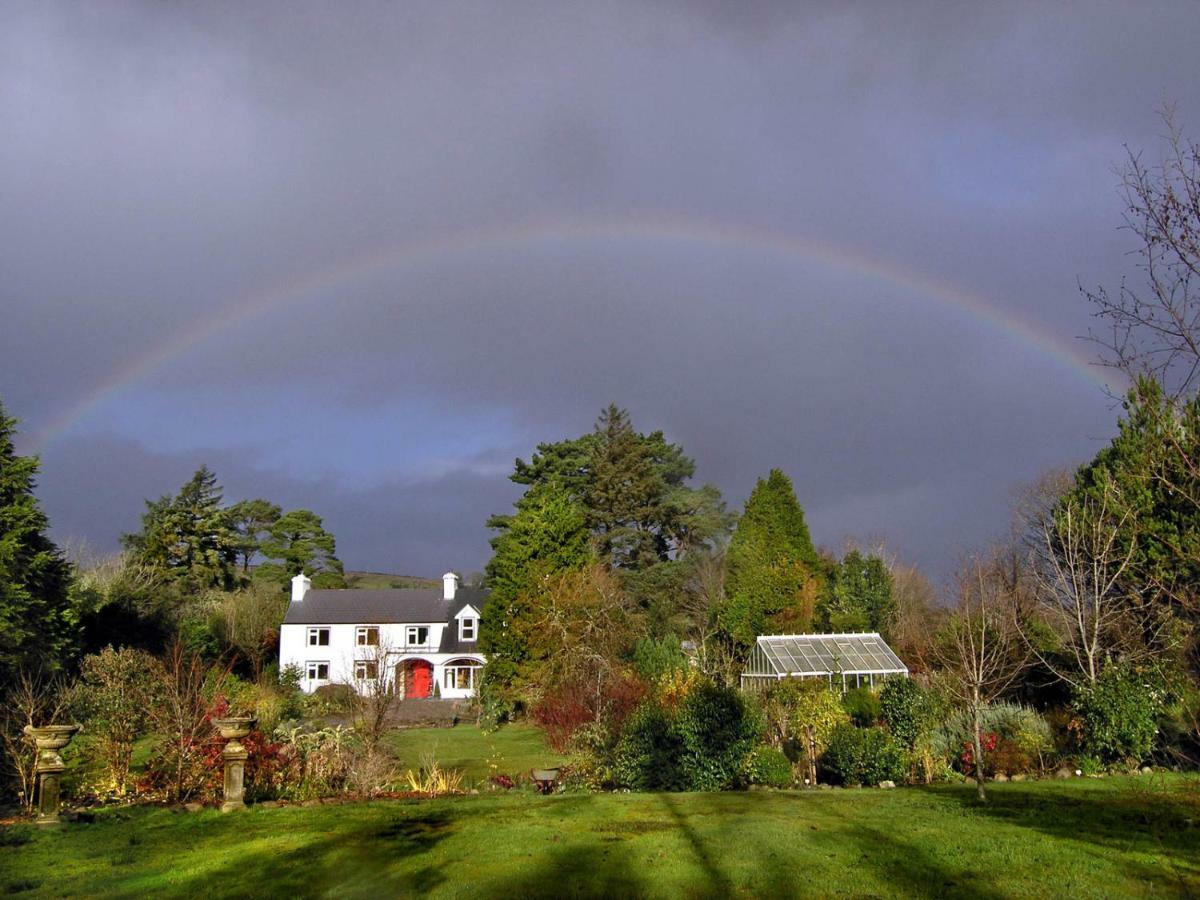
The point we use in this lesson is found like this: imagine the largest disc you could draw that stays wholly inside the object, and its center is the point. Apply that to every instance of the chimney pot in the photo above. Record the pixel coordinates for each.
(449, 586)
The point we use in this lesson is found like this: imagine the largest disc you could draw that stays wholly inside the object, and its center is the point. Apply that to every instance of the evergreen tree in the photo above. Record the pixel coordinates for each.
(298, 542)
(775, 573)
(623, 495)
(633, 491)
(545, 536)
(861, 596)
(189, 535)
(253, 520)
(39, 626)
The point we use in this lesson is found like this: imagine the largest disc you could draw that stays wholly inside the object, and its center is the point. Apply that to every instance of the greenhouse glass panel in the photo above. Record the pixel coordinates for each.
(846, 658)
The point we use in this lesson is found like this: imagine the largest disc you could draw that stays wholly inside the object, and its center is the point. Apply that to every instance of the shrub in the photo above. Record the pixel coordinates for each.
(655, 659)
(1009, 757)
(904, 708)
(330, 700)
(862, 705)
(647, 755)
(1024, 728)
(575, 703)
(701, 746)
(1119, 715)
(863, 756)
(718, 728)
(113, 697)
(792, 706)
(768, 766)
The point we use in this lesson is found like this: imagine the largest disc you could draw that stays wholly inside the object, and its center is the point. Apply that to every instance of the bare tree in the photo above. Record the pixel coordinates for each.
(704, 593)
(180, 715)
(250, 621)
(377, 692)
(978, 651)
(1082, 566)
(1154, 330)
(33, 698)
(917, 614)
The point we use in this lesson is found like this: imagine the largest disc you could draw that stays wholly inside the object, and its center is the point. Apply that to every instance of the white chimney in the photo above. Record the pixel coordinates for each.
(449, 585)
(300, 585)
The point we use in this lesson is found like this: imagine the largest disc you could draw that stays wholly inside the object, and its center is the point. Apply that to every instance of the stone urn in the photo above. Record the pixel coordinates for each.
(49, 739)
(235, 755)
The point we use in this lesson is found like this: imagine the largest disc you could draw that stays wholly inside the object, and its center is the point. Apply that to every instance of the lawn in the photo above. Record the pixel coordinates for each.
(1082, 838)
(512, 750)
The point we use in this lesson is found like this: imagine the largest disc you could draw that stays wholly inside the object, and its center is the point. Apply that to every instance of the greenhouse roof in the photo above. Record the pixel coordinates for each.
(781, 655)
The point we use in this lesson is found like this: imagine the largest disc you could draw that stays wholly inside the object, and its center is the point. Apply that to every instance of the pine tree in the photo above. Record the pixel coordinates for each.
(298, 542)
(39, 627)
(252, 520)
(774, 569)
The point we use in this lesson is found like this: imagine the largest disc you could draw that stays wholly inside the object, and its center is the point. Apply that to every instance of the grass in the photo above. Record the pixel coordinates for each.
(1079, 838)
(512, 750)
(383, 581)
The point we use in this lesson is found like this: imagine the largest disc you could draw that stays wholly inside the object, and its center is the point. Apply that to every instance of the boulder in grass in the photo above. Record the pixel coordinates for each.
(887, 785)
(1064, 772)
(1020, 776)
(1146, 770)
(193, 806)
(1000, 776)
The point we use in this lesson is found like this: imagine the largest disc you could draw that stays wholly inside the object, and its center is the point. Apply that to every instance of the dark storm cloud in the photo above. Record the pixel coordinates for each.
(162, 162)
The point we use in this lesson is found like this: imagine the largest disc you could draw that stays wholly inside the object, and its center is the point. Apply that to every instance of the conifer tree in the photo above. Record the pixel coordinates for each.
(774, 569)
(861, 596)
(39, 628)
(546, 535)
(189, 535)
(253, 519)
(298, 542)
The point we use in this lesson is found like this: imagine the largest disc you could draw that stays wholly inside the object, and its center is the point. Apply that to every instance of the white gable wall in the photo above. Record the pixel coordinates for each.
(343, 651)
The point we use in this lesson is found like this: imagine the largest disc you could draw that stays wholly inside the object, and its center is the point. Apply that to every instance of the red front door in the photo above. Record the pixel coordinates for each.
(420, 678)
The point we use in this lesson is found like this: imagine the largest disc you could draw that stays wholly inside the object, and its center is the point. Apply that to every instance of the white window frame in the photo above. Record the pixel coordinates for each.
(361, 670)
(450, 675)
(362, 636)
(462, 628)
(314, 665)
(314, 637)
(412, 636)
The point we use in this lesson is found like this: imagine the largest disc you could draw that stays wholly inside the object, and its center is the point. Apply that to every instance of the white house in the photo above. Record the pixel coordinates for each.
(425, 640)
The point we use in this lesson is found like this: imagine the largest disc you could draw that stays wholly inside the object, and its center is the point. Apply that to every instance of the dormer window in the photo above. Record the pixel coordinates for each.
(467, 628)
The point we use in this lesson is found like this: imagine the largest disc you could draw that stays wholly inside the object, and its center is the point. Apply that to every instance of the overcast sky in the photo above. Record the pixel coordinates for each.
(358, 257)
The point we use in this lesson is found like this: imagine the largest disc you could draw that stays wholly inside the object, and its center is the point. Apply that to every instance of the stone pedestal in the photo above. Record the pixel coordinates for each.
(235, 756)
(49, 768)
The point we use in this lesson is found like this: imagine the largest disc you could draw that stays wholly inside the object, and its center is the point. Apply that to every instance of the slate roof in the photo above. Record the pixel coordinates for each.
(378, 607)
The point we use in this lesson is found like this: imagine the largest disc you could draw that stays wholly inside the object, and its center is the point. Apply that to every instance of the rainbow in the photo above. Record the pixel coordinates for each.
(647, 227)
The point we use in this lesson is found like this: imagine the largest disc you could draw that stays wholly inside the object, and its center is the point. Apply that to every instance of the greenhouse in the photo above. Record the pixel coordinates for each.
(844, 660)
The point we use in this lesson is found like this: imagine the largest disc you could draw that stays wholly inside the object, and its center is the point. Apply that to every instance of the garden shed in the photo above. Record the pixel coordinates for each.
(844, 660)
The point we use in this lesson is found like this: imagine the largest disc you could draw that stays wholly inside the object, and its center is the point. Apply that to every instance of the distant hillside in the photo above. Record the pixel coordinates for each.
(379, 580)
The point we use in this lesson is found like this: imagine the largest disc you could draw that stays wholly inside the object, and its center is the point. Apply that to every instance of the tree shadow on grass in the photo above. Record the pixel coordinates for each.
(1122, 818)
(905, 867)
(572, 871)
(348, 859)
